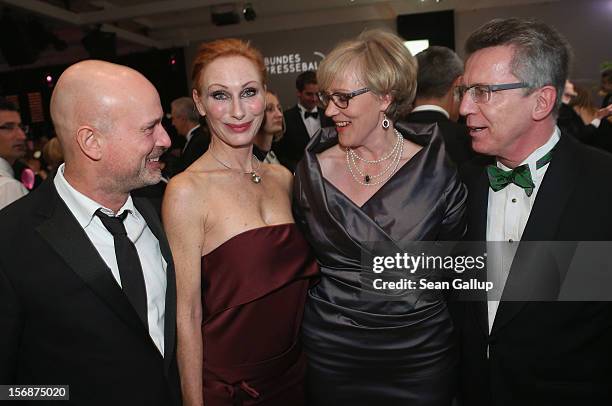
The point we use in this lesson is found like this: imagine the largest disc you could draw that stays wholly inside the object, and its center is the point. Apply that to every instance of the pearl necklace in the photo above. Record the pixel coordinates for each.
(255, 177)
(385, 174)
(398, 142)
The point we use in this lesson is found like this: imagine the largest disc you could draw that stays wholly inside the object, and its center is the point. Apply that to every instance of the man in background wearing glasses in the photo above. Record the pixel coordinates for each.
(12, 147)
(544, 186)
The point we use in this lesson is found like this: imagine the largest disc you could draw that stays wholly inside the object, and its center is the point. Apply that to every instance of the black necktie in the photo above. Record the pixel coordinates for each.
(313, 114)
(130, 270)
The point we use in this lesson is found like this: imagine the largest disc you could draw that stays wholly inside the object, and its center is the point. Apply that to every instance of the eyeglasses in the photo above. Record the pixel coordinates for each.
(340, 99)
(8, 127)
(482, 93)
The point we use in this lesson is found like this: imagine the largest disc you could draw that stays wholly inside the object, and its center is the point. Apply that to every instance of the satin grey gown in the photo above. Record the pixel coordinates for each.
(378, 352)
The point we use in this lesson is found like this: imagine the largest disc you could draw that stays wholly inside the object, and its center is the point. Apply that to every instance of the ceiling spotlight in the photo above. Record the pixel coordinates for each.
(249, 12)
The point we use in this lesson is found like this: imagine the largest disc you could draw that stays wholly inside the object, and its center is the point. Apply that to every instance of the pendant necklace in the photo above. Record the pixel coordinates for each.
(255, 177)
(366, 179)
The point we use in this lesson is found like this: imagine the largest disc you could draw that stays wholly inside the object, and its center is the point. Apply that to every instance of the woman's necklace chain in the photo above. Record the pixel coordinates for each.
(255, 177)
(397, 144)
(365, 179)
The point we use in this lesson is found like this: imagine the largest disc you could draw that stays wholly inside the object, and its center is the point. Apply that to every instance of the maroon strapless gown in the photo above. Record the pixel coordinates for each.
(253, 291)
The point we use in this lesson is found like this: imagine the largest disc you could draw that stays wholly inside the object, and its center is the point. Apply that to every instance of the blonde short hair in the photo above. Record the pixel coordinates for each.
(52, 153)
(383, 64)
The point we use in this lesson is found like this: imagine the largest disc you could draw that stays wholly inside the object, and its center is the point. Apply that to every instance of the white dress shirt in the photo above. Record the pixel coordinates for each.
(312, 124)
(153, 264)
(508, 211)
(10, 188)
(431, 107)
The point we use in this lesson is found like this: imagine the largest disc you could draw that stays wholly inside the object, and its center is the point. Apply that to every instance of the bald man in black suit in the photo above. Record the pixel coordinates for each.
(87, 287)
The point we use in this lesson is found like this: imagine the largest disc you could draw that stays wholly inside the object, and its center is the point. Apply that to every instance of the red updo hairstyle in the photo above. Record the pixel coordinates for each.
(209, 51)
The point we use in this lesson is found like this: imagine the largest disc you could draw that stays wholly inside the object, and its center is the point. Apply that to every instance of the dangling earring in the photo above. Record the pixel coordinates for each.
(385, 122)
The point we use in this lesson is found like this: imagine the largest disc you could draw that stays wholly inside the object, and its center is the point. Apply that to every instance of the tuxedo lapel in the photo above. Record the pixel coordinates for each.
(557, 187)
(324, 120)
(187, 145)
(148, 213)
(150, 216)
(478, 200)
(478, 197)
(303, 132)
(63, 233)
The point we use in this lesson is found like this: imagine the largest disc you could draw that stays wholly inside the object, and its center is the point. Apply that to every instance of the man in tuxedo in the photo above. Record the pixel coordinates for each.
(12, 147)
(545, 186)
(302, 121)
(185, 119)
(439, 72)
(87, 288)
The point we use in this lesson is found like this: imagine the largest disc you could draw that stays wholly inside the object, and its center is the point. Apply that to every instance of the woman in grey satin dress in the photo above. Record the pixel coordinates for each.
(374, 180)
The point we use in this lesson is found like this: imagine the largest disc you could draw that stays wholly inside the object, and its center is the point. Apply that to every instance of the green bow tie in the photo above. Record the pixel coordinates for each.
(520, 176)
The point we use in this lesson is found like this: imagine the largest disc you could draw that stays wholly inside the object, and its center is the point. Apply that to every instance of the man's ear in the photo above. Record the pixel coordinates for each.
(90, 142)
(198, 102)
(545, 102)
(452, 100)
(456, 83)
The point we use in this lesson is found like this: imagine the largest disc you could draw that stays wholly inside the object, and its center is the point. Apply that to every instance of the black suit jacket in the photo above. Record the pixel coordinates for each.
(196, 146)
(607, 100)
(290, 149)
(65, 320)
(542, 352)
(456, 138)
(603, 136)
(570, 123)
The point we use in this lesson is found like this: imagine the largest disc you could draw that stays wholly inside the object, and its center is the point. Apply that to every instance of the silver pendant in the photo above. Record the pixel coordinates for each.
(255, 178)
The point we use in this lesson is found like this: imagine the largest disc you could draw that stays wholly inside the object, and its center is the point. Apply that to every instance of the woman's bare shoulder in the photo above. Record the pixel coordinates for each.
(188, 195)
(279, 174)
(187, 184)
(277, 170)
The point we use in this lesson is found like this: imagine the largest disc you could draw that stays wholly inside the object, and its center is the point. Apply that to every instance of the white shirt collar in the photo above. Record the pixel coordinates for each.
(431, 107)
(303, 109)
(6, 169)
(533, 158)
(190, 133)
(82, 207)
